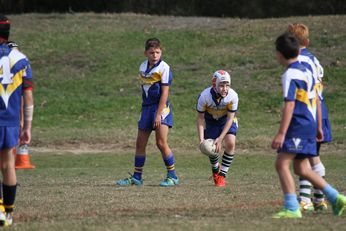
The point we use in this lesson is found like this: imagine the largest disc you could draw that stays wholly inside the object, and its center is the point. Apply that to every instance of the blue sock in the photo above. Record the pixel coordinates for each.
(139, 163)
(291, 202)
(331, 193)
(169, 162)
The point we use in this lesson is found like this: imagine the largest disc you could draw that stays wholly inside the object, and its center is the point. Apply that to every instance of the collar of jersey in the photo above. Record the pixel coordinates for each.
(215, 96)
(149, 69)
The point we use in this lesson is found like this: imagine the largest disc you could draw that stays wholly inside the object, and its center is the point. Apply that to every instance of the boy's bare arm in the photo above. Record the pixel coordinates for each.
(28, 98)
(319, 119)
(284, 124)
(162, 104)
(200, 126)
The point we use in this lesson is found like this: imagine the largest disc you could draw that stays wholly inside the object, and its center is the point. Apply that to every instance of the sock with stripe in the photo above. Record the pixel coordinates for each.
(139, 163)
(320, 170)
(226, 163)
(9, 192)
(214, 161)
(169, 162)
(305, 190)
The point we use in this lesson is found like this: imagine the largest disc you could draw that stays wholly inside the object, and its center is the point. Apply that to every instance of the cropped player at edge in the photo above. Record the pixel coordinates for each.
(216, 107)
(16, 84)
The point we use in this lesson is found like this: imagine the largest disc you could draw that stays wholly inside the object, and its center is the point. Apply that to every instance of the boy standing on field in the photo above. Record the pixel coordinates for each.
(156, 78)
(301, 32)
(16, 85)
(216, 107)
(296, 138)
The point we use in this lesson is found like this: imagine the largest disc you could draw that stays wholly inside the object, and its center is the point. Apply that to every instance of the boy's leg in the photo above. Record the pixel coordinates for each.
(337, 200)
(214, 162)
(291, 205)
(167, 155)
(212, 132)
(305, 195)
(9, 185)
(227, 159)
(139, 160)
(228, 155)
(318, 167)
(140, 156)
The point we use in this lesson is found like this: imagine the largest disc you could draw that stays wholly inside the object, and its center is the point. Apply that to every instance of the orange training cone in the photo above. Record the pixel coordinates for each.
(22, 158)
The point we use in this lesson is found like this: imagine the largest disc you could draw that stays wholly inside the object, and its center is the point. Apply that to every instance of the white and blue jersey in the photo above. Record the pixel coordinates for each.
(312, 64)
(152, 79)
(298, 86)
(215, 111)
(15, 70)
(15, 75)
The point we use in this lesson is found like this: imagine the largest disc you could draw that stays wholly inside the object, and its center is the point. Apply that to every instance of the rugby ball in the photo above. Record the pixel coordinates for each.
(208, 147)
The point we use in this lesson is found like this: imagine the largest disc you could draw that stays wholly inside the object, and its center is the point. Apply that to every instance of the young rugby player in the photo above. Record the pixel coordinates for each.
(216, 107)
(296, 139)
(16, 84)
(156, 79)
(301, 32)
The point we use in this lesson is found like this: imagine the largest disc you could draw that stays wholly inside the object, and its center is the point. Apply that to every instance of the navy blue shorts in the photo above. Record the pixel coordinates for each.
(9, 137)
(327, 132)
(148, 114)
(212, 131)
(302, 148)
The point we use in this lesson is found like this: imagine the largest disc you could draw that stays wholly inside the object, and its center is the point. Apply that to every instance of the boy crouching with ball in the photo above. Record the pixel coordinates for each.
(216, 120)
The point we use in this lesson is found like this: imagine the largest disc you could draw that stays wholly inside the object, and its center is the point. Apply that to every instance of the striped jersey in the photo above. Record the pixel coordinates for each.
(298, 85)
(214, 108)
(152, 79)
(15, 70)
(313, 65)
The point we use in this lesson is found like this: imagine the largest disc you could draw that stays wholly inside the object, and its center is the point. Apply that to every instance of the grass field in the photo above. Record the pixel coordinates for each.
(88, 101)
(76, 192)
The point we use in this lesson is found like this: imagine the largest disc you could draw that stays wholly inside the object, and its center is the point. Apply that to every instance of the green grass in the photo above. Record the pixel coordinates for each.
(87, 101)
(76, 192)
(86, 65)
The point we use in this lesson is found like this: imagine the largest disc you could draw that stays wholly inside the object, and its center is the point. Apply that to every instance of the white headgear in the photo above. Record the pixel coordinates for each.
(220, 76)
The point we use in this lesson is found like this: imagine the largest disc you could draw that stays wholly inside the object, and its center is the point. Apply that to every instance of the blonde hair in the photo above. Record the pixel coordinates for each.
(300, 31)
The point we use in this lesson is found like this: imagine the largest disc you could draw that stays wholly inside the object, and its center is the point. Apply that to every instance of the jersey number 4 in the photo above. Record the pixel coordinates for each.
(5, 70)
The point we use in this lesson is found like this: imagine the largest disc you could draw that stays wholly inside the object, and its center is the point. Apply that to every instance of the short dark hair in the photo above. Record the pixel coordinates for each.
(4, 27)
(152, 42)
(287, 45)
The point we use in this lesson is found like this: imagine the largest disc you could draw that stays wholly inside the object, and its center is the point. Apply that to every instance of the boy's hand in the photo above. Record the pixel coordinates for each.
(278, 141)
(320, 135)
(157, 122)
(25, 136)
(218, 144)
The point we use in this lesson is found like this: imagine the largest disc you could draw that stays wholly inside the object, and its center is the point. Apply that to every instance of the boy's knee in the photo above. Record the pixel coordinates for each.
(230, 146)
(6, 166)
(301, 172)
(160, 144)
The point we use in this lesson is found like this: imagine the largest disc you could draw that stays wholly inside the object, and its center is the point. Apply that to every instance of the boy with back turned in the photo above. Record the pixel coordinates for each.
(300, 129)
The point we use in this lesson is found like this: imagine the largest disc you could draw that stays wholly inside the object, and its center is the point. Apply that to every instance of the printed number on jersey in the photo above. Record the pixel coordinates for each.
(5, 70)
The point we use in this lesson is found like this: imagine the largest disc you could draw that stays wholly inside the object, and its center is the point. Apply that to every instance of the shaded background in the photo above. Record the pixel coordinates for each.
(213, 8)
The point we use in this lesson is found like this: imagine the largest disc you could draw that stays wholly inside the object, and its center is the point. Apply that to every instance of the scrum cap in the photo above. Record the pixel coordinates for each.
(220, 76)
(4, 27)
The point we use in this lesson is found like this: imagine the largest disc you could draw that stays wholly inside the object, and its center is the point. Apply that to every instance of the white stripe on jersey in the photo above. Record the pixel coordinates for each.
(206, 103)
(291, 74)
(159, 73)
(317, 69)
(306, 76)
